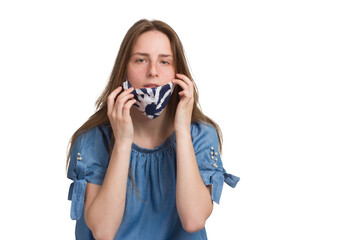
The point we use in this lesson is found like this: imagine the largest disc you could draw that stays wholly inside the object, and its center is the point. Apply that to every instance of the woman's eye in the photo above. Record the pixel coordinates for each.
(140, 60)
(164, 62)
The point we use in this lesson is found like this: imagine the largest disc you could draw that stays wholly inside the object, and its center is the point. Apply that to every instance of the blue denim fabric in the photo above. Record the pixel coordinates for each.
(154, 173)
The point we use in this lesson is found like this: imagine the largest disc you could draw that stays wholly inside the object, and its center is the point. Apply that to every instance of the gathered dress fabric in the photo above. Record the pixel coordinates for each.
(154, 174)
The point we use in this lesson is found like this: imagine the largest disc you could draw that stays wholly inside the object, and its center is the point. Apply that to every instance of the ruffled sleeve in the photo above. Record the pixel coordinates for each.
(206, 147)
(89, 158)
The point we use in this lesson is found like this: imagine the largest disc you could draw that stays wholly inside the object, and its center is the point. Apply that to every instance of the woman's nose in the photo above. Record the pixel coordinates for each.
(153, 71)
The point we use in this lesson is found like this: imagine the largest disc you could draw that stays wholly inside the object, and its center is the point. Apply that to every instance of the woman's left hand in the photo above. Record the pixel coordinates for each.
(184, 109)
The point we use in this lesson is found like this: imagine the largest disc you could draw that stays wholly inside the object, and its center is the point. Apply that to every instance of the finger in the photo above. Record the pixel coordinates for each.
(125, 92)
(110, 99)
(120, 102)
(118, 95)
(129, 90)
(182, 84)
(187, 80)
(123, 97)
(185, 94)
(184, 78)
(127, 106)
(187, 90)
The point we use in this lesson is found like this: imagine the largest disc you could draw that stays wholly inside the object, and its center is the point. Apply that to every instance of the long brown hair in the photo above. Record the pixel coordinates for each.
(118, 75)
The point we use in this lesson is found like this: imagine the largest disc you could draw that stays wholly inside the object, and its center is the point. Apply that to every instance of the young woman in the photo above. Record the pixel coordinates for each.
(147, 164)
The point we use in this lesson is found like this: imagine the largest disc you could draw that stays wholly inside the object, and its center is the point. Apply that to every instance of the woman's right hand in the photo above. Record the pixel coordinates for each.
(119, 114)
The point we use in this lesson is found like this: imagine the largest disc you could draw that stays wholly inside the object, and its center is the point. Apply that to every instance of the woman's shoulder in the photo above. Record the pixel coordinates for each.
(90, 148)
(201, 128)
(94, 140)
(93, 134)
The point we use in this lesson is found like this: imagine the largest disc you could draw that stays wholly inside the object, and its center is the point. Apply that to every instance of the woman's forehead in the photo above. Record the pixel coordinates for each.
(152, 43)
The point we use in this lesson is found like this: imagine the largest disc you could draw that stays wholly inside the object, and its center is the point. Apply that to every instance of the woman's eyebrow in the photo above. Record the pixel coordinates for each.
(165, 55)
(148, 55)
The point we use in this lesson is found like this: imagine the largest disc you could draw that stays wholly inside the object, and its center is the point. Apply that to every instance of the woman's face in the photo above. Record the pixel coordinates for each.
(151, 61)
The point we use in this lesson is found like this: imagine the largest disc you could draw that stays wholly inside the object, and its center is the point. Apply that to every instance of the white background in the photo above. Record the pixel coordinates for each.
(281, 78)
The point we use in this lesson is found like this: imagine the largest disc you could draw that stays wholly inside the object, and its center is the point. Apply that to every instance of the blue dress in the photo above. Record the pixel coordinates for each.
(154, 174)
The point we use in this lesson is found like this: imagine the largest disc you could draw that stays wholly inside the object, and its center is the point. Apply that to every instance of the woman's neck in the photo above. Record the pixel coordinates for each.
(150, 133)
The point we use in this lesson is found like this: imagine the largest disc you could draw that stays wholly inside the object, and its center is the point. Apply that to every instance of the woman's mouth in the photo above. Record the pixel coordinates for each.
(151, 86)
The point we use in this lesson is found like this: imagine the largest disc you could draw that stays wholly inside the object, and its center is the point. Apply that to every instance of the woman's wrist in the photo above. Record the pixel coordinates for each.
(122, 144)
(183, 132)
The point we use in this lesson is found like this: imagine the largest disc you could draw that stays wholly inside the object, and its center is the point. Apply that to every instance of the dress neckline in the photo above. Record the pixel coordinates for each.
(162, 146)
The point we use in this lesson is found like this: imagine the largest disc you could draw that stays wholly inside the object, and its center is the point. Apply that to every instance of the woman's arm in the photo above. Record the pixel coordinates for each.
(104, 210)
(193, 198)
(193, 201)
